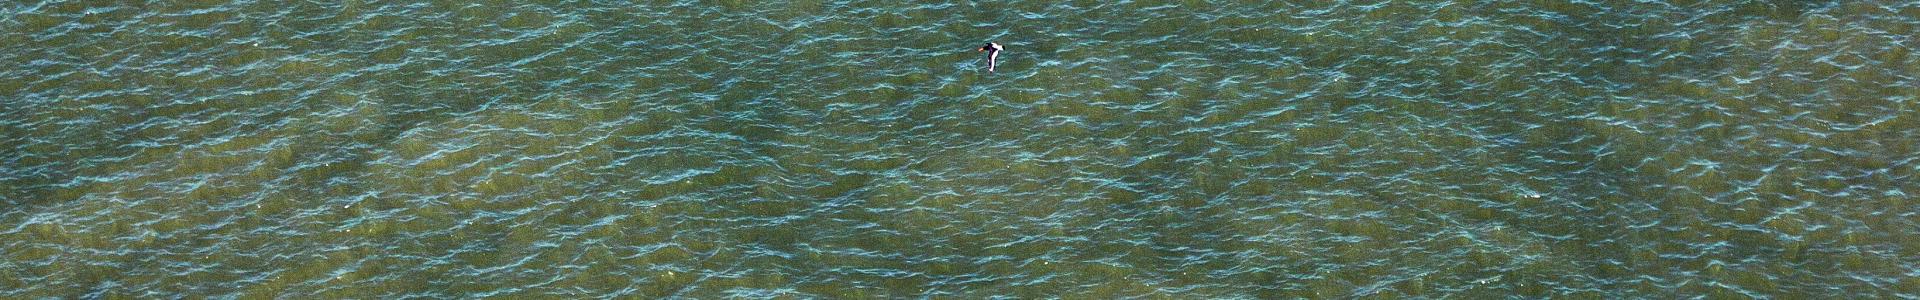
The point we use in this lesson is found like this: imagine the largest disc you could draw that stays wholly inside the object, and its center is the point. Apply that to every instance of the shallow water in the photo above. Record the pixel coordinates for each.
(1182, 149)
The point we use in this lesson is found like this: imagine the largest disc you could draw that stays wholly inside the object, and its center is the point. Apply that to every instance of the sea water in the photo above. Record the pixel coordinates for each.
(858, 149)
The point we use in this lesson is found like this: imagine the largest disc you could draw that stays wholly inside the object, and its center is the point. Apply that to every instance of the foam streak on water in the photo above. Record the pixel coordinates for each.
(855, 149)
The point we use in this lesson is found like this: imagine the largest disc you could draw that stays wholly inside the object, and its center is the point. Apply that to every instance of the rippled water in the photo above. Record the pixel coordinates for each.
(1185, 149)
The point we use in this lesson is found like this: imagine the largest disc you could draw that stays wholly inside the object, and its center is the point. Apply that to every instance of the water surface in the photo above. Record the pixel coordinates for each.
(856, 149)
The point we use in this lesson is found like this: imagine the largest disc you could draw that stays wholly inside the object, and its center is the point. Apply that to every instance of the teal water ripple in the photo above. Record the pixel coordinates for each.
(856, 149)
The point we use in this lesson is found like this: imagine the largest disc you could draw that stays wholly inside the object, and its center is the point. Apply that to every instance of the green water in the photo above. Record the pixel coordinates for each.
(834, 149)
